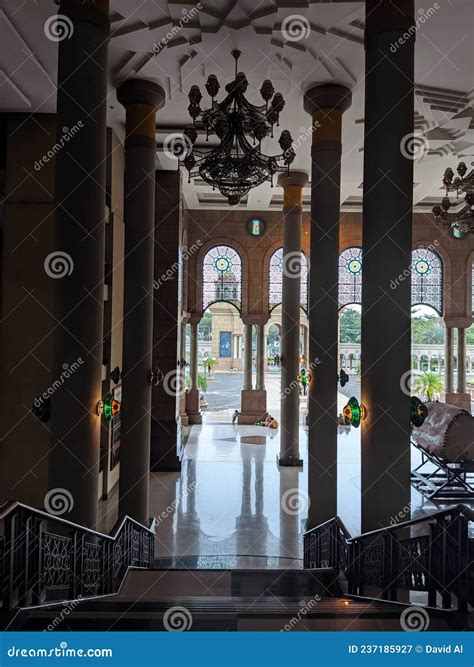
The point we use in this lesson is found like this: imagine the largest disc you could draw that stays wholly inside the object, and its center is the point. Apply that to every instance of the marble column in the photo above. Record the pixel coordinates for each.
(326, 104)
(261, 357)
(247, 357)
(387, 245)
(448, 360)
(80, 232)
(192, 394)
(141, 99)
(461, 384)
(292, 185)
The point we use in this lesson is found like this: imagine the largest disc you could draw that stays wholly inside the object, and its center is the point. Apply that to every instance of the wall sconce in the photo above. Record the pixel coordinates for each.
(108, 407)
(343, 378)
(116, 375)
(354, 411)
(418, 411)
(155, 376)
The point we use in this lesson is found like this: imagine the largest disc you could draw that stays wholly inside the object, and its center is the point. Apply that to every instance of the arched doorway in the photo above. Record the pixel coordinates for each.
(220, 333)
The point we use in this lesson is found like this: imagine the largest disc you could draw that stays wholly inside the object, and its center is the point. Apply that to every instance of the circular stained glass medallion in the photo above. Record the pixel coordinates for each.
(422, 267)
(222, 264)
(354, 266)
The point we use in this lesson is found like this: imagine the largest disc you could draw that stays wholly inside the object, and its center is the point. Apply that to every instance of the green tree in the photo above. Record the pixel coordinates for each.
(349, 325)
(427, 330)
(428, 384)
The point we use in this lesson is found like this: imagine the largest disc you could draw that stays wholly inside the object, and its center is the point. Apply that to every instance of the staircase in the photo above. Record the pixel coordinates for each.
(224, 600)
(60, 576)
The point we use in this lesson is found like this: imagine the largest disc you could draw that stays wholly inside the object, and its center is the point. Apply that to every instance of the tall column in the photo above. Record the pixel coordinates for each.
(260, 357)
(166, 448)
(387, 246)
(192, 394)
(461, 360)
(80, 226)
(448, 360)
(141, 99)
(292, 185)
(247, 356)
(326, 104)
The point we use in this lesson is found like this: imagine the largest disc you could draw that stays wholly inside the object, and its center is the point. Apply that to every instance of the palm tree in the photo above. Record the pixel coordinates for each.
(428, 384)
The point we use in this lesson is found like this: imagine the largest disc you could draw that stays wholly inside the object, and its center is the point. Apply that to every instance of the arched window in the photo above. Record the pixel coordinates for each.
(222, 276)
(276, 280)
(427, 279)
(350, 276)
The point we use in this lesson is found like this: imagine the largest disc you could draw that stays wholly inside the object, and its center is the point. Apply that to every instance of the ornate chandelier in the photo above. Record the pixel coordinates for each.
(460, 223)
(237, 164)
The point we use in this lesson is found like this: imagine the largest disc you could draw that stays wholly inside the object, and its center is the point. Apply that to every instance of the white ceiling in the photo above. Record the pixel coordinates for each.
(204, 33)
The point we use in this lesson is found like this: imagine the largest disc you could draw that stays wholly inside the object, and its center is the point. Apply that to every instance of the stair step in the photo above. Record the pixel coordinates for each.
(153, 584)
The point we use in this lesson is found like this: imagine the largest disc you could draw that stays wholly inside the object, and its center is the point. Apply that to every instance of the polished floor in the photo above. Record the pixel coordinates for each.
(232, 506)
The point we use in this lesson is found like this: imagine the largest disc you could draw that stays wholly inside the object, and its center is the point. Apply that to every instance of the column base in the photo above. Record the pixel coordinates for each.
(462, 401)
(193, 412)
(289, 462)
(253, 404)
(165, 437)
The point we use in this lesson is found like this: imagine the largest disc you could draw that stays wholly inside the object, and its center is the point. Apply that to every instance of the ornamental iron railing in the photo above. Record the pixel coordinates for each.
(46, 559)
(432, 555)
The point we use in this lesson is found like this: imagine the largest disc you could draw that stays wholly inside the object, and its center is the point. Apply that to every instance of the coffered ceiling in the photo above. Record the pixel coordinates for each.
(178, 44)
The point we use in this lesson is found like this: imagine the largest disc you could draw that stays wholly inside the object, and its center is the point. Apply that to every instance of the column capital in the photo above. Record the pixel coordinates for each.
(293, 184)
(140, 91)
(459, 322)
(323, 97)
(255, 318)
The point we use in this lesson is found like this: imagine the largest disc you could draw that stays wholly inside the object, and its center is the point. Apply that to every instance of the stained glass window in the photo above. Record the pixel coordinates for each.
(276, 280)
(350, 276)
(222, 276)
(427, 279)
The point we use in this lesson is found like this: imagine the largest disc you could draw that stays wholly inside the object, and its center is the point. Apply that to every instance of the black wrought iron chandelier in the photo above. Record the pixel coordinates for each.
(237, 164)
(460, 223)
